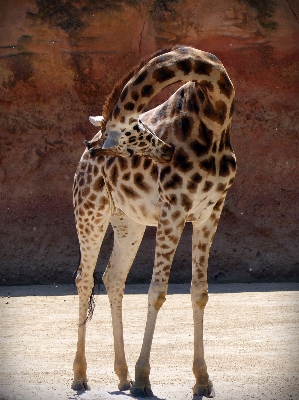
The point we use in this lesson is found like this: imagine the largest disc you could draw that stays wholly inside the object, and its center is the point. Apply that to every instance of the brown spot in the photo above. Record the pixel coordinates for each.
(181, 161)
(132, 139)
(130, 192)
(227, 165)
(99, 184)
(123, 119)
(206, 232)
(207, 186)
(85, 191)
(168, 231)
(126, 176)
(163, 214)
(225, 85)
(140, 107)
(163, 74)
(116, 112)
(221, 187)
(81, 181)
(95, 170)
(92, 197)
(168, 255)
(164, 171)
(209, 165)
(202, 246)
(147, 91)
(175, 215)
(206, 137)
(129, 106)
(123, 163)
(103, 203)
(225, 140)
(136, 161)
(202, 68)
(184, 65)
(109, 162)
(88, 204)
(174, 239)
(208, 85)
(147, 163)
(89, 179)
(154, 172)
(186, 202)
(114, 175)
(140, 183)
(172, 199)
(192, 104)
(140, 78)
(216, 113)
(200, 275)
(175, 182)
(135, 95)
(183, 127)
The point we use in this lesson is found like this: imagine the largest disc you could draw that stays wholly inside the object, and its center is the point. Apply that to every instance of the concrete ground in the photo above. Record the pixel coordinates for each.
(250, 330)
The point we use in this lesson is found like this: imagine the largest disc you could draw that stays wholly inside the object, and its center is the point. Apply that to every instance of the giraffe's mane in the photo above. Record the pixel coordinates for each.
(114, 95)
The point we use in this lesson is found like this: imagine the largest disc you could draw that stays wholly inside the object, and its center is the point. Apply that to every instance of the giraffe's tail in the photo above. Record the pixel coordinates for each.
(91, 301)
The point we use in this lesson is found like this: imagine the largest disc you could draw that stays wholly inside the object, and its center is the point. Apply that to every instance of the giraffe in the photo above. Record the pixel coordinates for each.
(163, 167)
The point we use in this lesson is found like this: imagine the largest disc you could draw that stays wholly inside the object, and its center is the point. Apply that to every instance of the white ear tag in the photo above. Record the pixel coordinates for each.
(96, 121)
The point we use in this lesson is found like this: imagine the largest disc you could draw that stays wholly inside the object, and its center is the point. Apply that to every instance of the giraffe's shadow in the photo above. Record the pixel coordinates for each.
(117, 392)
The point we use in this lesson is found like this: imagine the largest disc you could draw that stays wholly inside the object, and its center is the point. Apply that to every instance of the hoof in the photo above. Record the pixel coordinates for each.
(123, 386)
(204, 390)
(80, 386)
(138, 392)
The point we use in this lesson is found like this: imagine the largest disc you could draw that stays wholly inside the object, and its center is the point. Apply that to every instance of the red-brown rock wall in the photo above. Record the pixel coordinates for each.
(60, 59)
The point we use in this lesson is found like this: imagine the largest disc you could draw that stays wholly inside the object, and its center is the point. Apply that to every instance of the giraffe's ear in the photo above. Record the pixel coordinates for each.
(96, 120)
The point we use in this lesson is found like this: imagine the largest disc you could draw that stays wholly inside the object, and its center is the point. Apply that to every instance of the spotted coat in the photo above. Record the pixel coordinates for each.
(164, 167)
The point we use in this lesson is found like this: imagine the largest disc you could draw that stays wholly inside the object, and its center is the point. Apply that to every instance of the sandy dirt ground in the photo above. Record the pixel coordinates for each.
(250, 331)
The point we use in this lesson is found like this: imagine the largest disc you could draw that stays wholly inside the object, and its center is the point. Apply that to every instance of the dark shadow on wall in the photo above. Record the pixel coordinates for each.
(69, 290)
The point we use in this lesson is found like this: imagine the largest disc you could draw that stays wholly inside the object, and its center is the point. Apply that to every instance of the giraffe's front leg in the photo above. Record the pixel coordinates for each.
(127, 238)
(202, 237)
(169, 231)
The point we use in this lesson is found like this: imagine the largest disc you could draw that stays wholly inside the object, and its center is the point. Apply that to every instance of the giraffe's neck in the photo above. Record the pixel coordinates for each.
(182, 64)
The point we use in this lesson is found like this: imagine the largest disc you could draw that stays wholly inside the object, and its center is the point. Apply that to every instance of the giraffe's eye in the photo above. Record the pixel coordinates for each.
(131, 152)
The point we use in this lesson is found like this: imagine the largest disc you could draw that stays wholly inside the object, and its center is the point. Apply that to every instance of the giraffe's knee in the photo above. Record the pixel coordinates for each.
(200, 298)
(159, 301)
(157, 295)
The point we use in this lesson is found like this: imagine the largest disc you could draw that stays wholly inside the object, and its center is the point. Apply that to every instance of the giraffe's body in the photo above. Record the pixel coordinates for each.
(162, 189)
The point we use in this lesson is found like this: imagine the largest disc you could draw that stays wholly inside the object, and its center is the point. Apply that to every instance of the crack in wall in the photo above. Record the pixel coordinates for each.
(295, 15)
(141, 35)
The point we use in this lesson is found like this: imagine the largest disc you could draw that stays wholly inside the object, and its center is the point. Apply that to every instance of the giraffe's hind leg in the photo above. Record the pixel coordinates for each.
(202, 237)
(127, 238)
(91, 220)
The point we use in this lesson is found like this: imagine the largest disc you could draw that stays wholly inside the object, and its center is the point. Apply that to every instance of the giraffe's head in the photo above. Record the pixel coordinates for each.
(136, 139)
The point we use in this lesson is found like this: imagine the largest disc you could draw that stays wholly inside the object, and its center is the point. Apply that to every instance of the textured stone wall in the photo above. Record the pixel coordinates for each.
(60, 59)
